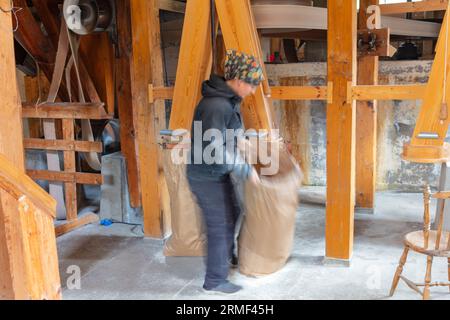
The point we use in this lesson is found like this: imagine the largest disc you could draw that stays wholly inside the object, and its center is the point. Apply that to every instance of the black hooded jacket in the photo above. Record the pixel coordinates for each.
(219, 109)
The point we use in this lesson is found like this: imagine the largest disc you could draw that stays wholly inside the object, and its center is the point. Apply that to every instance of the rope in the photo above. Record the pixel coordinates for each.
(14, 11)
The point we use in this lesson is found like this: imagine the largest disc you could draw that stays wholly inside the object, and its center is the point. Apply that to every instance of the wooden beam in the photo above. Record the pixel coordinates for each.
(63, 110)
(143, 25)
(299, 93)
(70, 177)
(28, 258)
(63, 145)
(366, 124)
(433, 117)
(239, 32)
(125, 104)
(18, 184)
(75, 224)
(341, 130)
(13, 282)
(158, 111)
(355, 92)
(172, 6)
(70, 188)
(194, 63)
(387, 92)
(419, 6)
(98, 50)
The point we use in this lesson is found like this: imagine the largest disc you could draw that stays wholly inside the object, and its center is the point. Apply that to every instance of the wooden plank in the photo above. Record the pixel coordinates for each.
(125, 103)
(366, 124)
(63, 145)
(32, 87)
(97, 52)
(299, 93)
(172, 6)
(65, 111)
(160, 93)
(341, 130)
(158, 111)
(388, 92)
(61, 176)
(356, 92)
(419, 6)
(70, 188)
(17, 184)
(239, 32)
(31, 37)
(429, 116)
(75, 224)
(13, 284)
(192, 70)
(144, 117)
(16, 268)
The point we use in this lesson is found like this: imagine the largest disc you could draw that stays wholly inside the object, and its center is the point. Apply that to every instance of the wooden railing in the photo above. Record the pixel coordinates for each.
(30, 268)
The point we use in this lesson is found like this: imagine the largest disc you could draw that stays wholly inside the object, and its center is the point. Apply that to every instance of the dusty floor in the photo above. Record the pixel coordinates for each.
(117, 263)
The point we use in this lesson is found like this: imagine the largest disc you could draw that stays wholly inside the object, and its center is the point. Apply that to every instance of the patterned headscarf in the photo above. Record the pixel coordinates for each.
(239, 65)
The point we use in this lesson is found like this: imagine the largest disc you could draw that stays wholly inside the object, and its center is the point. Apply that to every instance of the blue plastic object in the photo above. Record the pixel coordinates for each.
(106, 222)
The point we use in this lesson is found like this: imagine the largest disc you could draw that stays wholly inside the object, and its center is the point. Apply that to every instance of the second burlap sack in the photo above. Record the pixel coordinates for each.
(267, 233)
(188, 238)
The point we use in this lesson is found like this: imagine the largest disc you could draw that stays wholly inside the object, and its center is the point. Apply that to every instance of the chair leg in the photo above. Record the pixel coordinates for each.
(399, 271)
(426, 290)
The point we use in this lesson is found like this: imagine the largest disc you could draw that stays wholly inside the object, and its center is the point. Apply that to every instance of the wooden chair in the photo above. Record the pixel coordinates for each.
(432, 243)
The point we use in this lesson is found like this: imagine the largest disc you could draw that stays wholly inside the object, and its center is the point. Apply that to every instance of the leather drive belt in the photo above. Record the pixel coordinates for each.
(67, 41)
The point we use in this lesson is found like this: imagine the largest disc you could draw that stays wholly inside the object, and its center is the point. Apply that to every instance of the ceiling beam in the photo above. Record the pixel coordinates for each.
(172, 6)
(420, 6)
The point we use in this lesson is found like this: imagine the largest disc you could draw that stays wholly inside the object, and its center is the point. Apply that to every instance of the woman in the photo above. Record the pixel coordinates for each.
(210, 182)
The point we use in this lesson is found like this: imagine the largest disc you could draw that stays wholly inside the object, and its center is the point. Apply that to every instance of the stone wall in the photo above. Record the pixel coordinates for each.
(303, 123)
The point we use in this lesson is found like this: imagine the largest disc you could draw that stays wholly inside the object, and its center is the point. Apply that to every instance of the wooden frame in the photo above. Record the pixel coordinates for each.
(68, 112)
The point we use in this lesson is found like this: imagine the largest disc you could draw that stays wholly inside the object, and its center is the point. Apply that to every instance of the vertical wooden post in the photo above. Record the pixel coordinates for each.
(70, 188)
(366, 125)
(341, 130)
(145, 114)
(13, 279)
(158, 107)
(125, 100)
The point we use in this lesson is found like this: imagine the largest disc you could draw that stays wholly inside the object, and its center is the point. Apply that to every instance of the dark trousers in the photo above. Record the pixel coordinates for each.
(220, 209)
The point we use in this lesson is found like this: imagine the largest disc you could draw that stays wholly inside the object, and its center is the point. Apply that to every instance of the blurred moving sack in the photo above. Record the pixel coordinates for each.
(188, 238)
(267, 233)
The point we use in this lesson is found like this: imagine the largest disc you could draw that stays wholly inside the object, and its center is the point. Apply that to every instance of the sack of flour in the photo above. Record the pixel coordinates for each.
(270, 205)
(188, 238)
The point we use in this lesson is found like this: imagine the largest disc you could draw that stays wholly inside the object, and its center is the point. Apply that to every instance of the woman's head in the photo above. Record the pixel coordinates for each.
(243, 72)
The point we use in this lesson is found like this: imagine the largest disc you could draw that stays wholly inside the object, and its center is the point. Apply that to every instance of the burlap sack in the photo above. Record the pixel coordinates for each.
(267, 232)
(188, 238)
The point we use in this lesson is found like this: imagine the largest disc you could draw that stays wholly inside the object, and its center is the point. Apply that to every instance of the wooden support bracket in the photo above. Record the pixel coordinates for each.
(426, 153)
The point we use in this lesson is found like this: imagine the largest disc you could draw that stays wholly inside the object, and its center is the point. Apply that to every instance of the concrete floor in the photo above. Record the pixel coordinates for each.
(118, 263)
